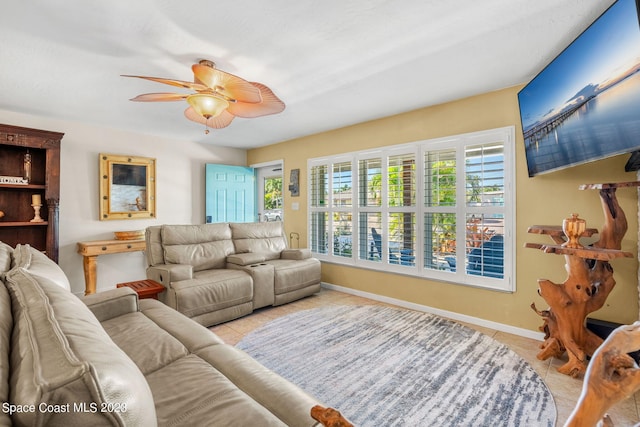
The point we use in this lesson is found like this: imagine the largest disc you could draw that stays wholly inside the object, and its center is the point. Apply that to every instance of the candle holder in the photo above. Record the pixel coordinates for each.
(26, 174)
(36, 217)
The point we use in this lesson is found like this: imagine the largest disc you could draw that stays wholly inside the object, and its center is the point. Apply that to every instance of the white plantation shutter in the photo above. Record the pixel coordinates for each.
(401, 176)
(342, 203)
(442, 209)
(319, 195)
(319, 191)
(485, 214)
(484, 166)
(440, 199)
(401, 203)
(342, 185)
(369, 208)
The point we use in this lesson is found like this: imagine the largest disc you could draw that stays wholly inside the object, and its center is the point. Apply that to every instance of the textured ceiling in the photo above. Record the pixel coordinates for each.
(333, 62)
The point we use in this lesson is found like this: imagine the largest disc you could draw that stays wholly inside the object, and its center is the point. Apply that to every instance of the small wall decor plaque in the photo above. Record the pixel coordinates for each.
(294, 182)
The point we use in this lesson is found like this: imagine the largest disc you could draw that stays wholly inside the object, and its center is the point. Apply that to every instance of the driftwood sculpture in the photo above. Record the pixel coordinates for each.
(329, 417)
(589, 282)
(612, 376)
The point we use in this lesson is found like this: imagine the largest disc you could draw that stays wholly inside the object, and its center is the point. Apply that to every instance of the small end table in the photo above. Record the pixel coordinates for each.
(144, 288)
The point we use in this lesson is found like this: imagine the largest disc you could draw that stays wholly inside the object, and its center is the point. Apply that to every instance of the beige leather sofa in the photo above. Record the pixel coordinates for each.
(218, 272)
(110, 359)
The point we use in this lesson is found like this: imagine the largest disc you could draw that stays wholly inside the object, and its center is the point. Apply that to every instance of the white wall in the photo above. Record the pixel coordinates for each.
(180, 190)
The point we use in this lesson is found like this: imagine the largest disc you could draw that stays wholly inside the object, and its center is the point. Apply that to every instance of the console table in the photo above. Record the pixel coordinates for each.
(91, 250)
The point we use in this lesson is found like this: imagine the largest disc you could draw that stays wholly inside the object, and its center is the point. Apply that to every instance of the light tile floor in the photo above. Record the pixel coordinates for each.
(565, 390)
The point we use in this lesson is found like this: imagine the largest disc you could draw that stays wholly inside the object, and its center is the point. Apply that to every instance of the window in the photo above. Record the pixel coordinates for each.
(272, 201)
(440, 209)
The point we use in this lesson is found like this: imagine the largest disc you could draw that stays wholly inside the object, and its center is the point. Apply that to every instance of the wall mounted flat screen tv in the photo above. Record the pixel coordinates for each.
(585, 105)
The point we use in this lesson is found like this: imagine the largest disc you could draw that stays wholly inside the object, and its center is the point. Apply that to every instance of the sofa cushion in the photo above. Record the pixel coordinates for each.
(60, 355)
(6, 326)
(212, 290)
(291, 275)
(192, 335)
(175, 338)
(284, 399)
(259, 237)
(6, 257)
(38, 264)
(130, 330)
(200, 395)
(204, 246)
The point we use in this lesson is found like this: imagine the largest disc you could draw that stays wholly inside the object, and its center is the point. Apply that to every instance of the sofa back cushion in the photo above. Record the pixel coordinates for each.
(38, 264)
(64, 364)
(259, 237)
(203, 246)
(6, 257)
(154, 250)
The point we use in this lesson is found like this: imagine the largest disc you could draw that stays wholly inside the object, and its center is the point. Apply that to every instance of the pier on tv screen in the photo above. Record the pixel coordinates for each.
(585, 105)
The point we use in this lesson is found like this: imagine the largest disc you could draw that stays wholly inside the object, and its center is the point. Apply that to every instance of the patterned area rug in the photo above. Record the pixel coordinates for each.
(382, 366)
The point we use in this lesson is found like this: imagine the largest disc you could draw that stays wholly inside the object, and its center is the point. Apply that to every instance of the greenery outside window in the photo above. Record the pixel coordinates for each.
(273, 193)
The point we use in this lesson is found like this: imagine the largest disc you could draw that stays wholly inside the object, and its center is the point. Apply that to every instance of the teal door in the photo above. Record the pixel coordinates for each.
(230, 194)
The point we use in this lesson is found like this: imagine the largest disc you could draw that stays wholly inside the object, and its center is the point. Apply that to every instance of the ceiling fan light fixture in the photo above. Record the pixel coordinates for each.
(207, 105)
(219, 96)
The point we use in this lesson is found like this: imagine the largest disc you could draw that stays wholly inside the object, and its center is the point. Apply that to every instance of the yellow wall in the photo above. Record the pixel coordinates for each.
(543, 200)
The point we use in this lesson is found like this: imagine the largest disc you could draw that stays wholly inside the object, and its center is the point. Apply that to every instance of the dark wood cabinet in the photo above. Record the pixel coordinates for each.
(16, 198)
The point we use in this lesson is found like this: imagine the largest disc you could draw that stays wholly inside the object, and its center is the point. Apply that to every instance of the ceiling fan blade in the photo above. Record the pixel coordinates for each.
(160, 97)
(218, 122)
(172, 82)
(270, 104)
(226, 84)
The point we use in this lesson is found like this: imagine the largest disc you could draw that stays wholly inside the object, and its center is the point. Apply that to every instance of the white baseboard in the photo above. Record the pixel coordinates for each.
(539, 336)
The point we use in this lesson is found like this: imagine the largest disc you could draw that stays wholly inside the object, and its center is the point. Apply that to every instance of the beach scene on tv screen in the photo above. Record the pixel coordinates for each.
(585, 105)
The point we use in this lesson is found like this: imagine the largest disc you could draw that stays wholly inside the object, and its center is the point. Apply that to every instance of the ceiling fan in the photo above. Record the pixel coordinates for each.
(219, 96)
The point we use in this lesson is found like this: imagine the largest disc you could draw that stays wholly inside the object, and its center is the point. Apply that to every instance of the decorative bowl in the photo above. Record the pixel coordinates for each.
(129, 235)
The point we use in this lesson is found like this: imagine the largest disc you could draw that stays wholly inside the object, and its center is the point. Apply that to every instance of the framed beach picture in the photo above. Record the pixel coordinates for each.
(127, 187)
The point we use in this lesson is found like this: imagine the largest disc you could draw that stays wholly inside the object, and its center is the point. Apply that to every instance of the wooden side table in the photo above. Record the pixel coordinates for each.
(144, 288)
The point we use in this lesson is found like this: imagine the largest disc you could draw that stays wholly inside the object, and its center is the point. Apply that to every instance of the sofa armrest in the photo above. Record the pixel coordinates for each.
(165, 274)
(112, 303)
(295, 254)
(246, 258)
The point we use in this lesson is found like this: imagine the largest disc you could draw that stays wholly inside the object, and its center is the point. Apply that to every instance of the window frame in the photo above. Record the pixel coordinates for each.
(418, 149)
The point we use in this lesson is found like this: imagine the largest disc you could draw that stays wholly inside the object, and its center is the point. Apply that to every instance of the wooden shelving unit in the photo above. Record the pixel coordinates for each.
(589, 282)
(15, 199)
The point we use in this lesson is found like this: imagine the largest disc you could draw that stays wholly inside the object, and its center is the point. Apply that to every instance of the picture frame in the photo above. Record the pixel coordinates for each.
(127, 187)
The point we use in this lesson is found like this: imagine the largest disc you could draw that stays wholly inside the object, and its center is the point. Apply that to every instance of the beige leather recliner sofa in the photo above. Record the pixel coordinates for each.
(111, 359)
(218, 272)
